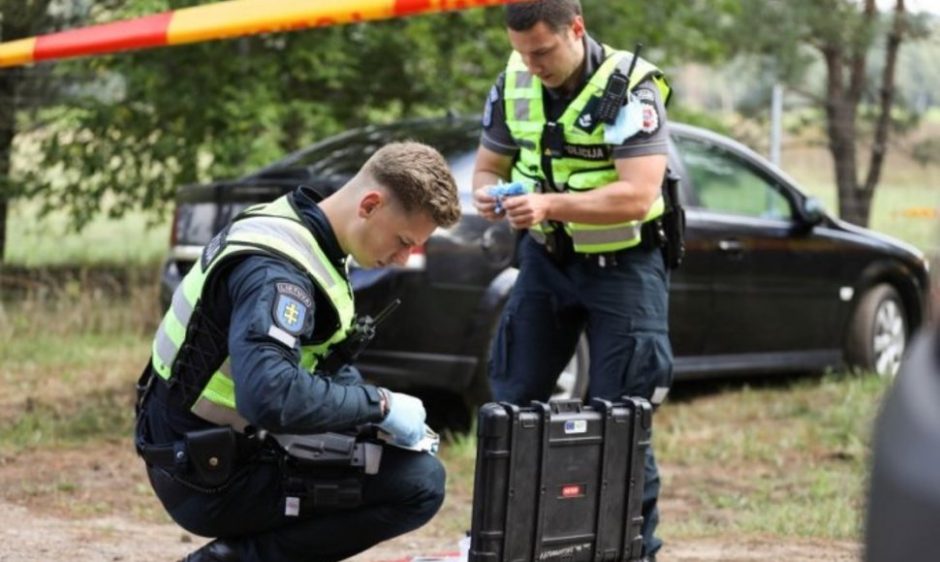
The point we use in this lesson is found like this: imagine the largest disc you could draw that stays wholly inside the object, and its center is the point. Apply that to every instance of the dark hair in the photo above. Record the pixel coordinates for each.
(557, 14)
(419, 178)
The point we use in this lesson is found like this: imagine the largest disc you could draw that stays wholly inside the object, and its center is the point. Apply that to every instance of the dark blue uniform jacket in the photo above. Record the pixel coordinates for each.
(272, 391)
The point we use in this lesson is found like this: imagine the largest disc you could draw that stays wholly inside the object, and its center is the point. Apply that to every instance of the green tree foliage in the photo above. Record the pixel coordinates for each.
(137, 125)
(18, 19)
(858, 94)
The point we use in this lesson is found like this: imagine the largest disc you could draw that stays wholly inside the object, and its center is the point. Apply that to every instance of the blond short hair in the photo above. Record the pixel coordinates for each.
(419, 178)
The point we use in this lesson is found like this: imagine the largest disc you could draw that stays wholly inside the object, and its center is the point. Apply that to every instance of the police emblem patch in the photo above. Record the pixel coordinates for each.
(650, 118)
(290, 314)
(291, 308)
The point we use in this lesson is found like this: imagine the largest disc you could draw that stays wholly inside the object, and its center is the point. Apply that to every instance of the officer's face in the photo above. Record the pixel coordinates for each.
(388, 234)
(552, 56)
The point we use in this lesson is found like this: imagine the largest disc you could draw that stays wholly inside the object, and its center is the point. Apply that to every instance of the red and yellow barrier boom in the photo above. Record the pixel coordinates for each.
(219, 20)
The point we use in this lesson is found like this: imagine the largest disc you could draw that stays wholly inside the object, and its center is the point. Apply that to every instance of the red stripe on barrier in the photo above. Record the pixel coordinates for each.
(411, 7)
(408, 7)
(149, 31)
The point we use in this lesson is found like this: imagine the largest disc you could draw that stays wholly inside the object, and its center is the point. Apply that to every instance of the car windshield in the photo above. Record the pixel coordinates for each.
(343, 155)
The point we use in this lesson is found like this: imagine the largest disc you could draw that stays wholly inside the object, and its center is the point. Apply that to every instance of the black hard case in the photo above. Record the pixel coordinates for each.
(560, 481)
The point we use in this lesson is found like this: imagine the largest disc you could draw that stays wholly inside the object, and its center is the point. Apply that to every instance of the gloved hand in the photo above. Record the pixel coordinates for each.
(503, 190)
(405, 418)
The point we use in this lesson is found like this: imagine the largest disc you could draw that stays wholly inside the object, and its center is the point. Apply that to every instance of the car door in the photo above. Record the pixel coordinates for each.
(690, 298)
(772, 297)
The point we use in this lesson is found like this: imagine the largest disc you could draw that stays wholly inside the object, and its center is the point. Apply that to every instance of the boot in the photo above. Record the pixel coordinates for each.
(215, 551)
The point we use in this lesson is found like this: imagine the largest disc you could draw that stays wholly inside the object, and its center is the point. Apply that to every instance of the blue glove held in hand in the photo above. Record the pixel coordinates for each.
(405, 418)
(503, 190)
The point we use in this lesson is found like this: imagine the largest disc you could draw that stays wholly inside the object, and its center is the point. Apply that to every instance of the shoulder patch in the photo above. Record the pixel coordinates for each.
(291, 308)
(212, 249)
(651, 119)
(296, 292)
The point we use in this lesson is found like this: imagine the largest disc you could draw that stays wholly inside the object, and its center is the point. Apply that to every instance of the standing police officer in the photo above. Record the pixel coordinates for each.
(582, 126)
(235, 362)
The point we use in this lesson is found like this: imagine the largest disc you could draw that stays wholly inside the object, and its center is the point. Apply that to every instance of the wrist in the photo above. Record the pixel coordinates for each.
(551, 205)
(385, 402)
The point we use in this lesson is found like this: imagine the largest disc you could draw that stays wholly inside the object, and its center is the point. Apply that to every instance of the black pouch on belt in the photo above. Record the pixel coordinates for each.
(212, 454)
(673, 222)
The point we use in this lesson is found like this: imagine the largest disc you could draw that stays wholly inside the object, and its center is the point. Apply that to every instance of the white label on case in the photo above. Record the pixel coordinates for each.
(659, 395)
(291, 506)
(576, 426)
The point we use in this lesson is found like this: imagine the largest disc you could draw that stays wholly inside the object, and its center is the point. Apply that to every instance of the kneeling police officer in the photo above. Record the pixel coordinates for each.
(235, 363)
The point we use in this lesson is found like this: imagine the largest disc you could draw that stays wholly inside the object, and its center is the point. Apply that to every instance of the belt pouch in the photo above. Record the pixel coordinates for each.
(212, 454)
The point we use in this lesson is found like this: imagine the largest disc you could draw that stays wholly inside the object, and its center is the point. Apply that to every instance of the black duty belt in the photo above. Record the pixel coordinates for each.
(211, 453)
(562, 251)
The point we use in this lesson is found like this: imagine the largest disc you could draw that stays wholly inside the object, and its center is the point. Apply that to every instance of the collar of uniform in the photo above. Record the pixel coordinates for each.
(594, 57)
(305, 199)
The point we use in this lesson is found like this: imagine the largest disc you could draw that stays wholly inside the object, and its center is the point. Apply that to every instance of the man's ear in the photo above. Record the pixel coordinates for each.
(370, 203)
(577, 27)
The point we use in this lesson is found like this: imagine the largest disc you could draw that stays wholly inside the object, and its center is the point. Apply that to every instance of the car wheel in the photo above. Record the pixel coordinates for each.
(878, 333)
(573, 380)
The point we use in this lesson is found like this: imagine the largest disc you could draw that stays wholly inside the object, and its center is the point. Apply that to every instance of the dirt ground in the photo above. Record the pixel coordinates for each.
(95, 505)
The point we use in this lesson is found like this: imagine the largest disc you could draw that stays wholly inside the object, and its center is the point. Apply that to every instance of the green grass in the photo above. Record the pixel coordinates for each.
(68, 361)
(107, 415)
(34, 241)
(788, 460)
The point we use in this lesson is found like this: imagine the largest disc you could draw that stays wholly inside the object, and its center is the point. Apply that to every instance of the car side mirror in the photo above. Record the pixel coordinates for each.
(813, 212)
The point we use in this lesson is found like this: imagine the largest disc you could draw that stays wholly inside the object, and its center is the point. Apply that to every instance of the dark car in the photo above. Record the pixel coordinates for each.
(770, 281)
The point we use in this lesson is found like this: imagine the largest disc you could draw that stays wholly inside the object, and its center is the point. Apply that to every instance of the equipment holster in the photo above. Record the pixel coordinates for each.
(212, 454)
(558, 244)
(672, 222)
(331, 449)
(313, 492)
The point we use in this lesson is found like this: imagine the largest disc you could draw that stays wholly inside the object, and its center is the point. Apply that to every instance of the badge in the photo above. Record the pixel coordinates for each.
(213, 248)
(291, 308)
(644, 94)
(590, 152)
(586, 121)
(650, 118)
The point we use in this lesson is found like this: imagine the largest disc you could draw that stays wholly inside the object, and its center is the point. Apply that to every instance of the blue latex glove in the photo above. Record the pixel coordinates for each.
(628, 123)
(503, 190)
(405, 419)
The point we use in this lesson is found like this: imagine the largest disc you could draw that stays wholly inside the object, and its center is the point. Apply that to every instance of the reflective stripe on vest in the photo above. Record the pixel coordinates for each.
(272, 229)
(525, 117)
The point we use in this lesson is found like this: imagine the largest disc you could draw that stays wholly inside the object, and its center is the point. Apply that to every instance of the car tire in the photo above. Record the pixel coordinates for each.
(573, 381)
(877, 336)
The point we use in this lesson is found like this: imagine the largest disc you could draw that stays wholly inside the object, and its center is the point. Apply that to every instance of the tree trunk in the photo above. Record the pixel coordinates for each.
(855, 198)
(879, 146)
(7, 131)
(20, 18)
(841, 113)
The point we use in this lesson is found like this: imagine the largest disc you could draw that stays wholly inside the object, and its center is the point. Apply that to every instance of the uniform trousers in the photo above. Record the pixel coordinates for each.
(620, 302)
(250, 513)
